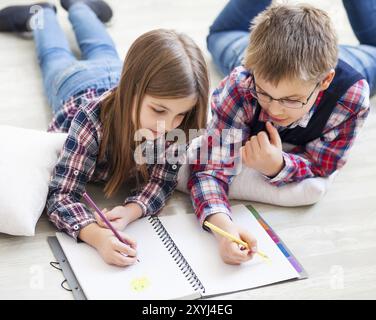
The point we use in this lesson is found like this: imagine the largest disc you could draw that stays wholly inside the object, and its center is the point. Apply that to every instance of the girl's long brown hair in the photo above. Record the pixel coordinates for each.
(161, 63)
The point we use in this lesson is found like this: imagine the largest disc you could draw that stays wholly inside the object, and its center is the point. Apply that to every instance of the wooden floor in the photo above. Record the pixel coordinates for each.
(335, 240)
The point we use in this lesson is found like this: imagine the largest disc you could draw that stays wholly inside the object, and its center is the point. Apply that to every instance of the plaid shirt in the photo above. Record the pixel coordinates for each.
(78, 164)
(233, 107)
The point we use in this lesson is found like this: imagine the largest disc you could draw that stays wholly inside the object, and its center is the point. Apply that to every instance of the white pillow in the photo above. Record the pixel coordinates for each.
(26, 163)
(250, 185)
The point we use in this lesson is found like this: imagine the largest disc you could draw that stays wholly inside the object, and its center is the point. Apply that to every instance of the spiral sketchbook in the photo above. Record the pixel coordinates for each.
(177, 260)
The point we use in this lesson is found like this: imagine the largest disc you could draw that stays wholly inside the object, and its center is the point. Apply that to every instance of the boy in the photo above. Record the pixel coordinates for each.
(285, 84)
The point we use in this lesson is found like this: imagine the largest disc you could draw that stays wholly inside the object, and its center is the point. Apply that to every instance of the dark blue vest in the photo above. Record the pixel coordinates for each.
(344, 78)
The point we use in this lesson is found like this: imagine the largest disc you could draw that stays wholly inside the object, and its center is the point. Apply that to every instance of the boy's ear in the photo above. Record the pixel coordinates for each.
(325, 83)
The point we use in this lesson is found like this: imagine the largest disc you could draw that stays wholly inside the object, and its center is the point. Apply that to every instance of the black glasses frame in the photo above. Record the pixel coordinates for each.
(255, 93)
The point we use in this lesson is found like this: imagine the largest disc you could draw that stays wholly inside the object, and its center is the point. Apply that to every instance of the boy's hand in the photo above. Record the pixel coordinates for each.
(120, 216)
(264, 154)
(231, 252)
(111, 250)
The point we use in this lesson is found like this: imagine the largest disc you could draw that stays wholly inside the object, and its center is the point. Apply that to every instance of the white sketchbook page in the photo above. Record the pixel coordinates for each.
(201, 251)
(156, 269)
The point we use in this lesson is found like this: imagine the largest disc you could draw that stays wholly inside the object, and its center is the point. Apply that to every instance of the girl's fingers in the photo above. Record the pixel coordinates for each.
(113, 215)
(123, 261)
(117, 224)
(100, 221)
(124, 248)
(132, 242)
(110, 215)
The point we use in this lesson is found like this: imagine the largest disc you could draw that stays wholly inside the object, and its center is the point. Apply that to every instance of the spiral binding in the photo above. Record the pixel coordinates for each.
(178, 257)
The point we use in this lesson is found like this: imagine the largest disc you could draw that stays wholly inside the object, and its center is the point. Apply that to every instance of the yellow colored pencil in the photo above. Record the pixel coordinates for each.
(231, 237)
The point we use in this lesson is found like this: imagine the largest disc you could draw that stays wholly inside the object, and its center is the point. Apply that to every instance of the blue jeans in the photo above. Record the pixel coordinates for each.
(64, 75)
(229, 35)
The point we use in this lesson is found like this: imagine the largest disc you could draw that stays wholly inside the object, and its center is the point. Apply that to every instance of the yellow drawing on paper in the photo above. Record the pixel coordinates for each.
(140, 284)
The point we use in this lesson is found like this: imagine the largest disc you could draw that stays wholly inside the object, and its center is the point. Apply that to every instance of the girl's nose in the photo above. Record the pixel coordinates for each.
(169, 125)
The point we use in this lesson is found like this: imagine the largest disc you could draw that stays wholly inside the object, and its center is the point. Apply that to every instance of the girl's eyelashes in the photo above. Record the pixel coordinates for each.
(158, 111)
(163, 111)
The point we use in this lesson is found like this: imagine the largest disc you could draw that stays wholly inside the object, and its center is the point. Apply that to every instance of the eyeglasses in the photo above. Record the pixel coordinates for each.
(288, 103)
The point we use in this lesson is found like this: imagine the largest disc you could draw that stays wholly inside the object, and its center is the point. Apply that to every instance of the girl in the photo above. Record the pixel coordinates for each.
(164, 79)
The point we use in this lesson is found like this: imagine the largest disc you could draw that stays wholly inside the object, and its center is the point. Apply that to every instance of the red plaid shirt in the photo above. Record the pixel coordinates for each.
(320, 157)
(78, 165)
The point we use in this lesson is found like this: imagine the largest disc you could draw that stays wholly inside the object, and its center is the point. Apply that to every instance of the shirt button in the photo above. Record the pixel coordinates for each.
(174, 167)
(76, 172)
(76, 227)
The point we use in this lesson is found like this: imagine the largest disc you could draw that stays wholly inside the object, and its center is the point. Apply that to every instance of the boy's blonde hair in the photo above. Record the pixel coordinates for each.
(291, 42)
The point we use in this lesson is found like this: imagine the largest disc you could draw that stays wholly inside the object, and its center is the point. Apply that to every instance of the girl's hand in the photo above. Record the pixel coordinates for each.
(109, 247)
(115, 252)
(230, 251)
(120, 216)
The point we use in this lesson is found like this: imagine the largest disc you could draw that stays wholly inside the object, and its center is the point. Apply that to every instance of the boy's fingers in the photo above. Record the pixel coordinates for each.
(248, 150)
(275, 139)
(245, 254)
(238, 256)
(244, 154)
(250, 239)
(236, 253)
(263, 139)
(255, 145)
